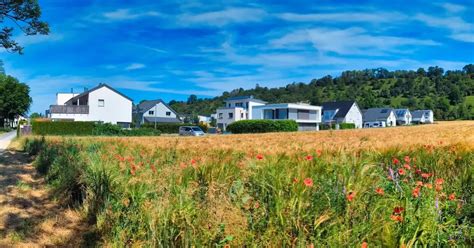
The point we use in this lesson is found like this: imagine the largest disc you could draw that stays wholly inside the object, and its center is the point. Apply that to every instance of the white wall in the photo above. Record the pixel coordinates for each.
(116, 107)
(62, 98)
(237, 112)
(354, 116)
(250, 110)
(160, 111)
(392, 119)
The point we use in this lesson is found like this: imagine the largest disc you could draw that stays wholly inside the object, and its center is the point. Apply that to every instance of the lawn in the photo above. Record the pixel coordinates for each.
(405, 186)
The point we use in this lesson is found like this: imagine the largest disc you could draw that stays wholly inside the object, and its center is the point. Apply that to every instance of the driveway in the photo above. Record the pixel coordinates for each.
(6, 138)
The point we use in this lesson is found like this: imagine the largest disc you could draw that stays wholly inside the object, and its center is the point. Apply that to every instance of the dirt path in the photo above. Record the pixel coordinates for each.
(29, 215)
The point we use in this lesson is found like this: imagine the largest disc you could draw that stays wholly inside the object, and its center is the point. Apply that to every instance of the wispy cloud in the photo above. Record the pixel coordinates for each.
(350, 17)
(134, 66)
(459, 29)
(453, 8)
(223, 17)
(123, 15)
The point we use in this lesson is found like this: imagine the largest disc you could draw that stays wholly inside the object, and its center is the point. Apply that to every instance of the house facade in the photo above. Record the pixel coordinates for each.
(307, 116)
(236, 109)
(403, 116)
(423, 116)
(342, 112)
(379, 117)
(101, 103)
(155, 111)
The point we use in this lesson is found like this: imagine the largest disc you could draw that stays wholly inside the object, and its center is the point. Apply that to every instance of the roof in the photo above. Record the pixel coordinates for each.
(289, 106)
(377, 114)
(162, 120)
(96, 88)
(418, 114)
(148, 104)
(234, 98)
(342, 106)
(401, 112)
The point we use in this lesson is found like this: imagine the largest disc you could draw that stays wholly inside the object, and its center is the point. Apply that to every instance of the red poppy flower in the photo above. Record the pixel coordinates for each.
(418, 172)
(295, 180)
(397, 218)
(438, 187)
(308, 182)
(401, 171)
(379, 191)
(350, 196)
(309, 157)
(452, 197)
(416, 192)
(439, 181)
(193, 161)
(428, 185)
(395, 161)
(407, 166)
(425, 175)
(153, 168)
(398, 210)
(319, 152)
(364, 245)
(259, 156)
(407, 159)
(419, 183)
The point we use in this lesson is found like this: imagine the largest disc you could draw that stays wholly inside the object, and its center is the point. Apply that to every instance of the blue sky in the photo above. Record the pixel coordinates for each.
(172, 49)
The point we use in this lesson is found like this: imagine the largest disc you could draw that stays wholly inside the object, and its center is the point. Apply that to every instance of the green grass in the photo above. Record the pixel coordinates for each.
(167, 197)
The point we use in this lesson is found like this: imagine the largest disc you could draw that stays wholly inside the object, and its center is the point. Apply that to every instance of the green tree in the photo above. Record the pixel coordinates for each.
(14, 98)
(2, 70)
(24, 15)
(35, 115)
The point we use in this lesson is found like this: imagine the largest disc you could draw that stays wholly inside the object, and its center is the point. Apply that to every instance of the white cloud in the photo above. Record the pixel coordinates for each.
(134, 66)
(460, 29)
(223, 17)
(373, 17)
(351, 41)
(123, 15)
(453, 8)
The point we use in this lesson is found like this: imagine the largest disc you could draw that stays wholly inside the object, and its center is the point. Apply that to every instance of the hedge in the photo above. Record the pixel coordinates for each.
(262, 126)
(63, 127)
(166, 127)
(341, 126)
(347, 126)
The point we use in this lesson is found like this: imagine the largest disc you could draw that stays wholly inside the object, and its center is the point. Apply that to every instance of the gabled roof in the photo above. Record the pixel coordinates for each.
(343, 107)
(418, 114)
(377, 114)
(148, 104)
(96, 88)
(244, 98)
(401, 112)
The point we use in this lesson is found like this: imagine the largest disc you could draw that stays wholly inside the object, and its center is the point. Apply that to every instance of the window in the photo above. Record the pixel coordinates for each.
(151, 112)
(220, 116)
(242, 115)
(281, 114)
(239, 104)
(268, 114)
(303, 114)
(101, 103)
(168, 113)
(231, 115)
(328, 115)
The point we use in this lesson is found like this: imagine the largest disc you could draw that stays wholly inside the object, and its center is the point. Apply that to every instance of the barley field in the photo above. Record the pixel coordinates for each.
(391, 187)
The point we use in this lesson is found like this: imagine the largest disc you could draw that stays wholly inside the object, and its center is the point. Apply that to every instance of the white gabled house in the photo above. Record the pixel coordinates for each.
(423, 116)
(101, 103)
(155, 111)
(236, 109)
(307, 116)
(379, 117)
(403, 116)
(342, 112)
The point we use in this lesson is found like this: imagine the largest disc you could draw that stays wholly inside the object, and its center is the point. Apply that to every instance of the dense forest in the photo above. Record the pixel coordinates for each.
(450, 94)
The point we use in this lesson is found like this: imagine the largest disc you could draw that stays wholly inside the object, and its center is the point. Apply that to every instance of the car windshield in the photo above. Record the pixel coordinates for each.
(197, 129)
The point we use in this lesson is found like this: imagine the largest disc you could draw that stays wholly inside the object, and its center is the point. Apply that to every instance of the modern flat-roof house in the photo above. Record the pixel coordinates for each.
(236, 109)
(155, 111)
(423, 116)
(403, 116)
(342, 112)
(101, 103)
(307, 116)
(379, 117)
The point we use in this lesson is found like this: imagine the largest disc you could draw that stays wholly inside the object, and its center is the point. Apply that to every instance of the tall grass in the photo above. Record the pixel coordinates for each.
(167, 197)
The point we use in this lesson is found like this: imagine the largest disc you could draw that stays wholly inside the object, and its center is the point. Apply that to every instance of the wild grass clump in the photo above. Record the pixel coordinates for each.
(171, 197)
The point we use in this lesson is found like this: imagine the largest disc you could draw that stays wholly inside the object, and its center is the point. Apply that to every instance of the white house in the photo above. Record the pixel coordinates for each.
(423, 116)
(403, 116)
(379, 117)
(307, 116)
(101, 103)
(236, 109)
(342, 112)
(155, 111)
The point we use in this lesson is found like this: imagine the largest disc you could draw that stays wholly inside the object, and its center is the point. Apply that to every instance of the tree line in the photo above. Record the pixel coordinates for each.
(450, 94)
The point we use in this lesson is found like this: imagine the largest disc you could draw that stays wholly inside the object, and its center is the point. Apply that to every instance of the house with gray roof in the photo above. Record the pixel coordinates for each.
(155, 111)
(403, 116)
(379, 117)
(235, 109)
(423, 116)
(342, 112)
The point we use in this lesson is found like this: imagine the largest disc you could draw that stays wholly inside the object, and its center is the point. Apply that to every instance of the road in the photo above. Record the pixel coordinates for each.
(6, 138)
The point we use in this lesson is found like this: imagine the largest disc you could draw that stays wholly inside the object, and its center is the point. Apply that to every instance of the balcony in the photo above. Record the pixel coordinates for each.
(69, 109)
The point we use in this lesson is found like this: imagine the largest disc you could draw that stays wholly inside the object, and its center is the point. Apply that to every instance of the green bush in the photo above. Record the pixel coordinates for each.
(166, 127)
(262, 126)
(347, 126)
(33, 146)
(63, 128)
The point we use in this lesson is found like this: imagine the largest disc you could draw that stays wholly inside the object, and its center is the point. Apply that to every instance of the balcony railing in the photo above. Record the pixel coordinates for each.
(69, 109)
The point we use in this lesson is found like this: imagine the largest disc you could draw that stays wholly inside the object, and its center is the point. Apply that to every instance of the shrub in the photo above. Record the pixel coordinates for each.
(347, 126)
(62, 127)
(263, 126)
(33, 146)
(166, 127)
